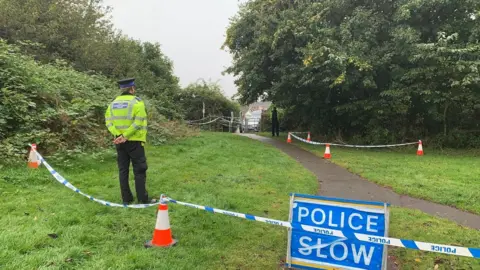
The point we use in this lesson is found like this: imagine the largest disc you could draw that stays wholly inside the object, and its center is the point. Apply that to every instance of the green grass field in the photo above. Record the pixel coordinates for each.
(446, 177)
(403, 171)
(219, 170)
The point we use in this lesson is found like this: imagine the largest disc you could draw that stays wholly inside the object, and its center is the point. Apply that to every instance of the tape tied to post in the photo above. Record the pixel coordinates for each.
(351, 145)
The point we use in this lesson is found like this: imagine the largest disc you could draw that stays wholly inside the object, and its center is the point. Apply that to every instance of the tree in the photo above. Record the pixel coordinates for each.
(361, 70)
(192, 98)
(81, 33)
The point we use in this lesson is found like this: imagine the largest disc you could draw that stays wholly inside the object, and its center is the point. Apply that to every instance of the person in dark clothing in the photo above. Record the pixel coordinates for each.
(275, 123)
(126, 119)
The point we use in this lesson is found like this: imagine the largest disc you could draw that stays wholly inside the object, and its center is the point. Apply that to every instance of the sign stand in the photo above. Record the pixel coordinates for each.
(289, 258)
(387, 222)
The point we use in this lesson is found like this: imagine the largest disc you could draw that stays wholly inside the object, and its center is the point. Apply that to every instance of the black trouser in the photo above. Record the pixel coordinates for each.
(275, 128)
(135, 152)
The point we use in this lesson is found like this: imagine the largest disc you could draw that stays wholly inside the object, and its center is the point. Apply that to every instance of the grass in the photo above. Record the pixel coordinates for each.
(397, 167)
(219, 170)
(416, 225)
(447, 177)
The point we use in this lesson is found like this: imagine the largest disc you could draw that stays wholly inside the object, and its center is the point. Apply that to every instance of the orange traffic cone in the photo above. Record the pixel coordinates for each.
(308, 138)
(289, 139)
(33, 161)
(162, 235)
(420, 148)
(327, 154)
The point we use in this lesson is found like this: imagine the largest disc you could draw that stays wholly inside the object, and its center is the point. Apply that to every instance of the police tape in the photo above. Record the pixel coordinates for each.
(200, 124)
(351, 145)
(199, 120)
(303, 140)
(404, 243)
(438, 248)
(63, 181)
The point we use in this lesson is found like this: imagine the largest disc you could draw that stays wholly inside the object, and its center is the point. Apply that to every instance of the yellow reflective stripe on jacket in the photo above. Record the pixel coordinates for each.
(111, 128)
(125, 118)
(126, 115)
(138, 127)
(133, 125)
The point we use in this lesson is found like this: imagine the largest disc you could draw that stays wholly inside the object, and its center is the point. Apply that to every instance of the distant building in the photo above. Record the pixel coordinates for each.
(252, 114)
(257, 106)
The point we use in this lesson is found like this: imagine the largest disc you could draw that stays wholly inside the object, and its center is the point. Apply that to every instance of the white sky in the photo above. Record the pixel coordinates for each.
(190, 33)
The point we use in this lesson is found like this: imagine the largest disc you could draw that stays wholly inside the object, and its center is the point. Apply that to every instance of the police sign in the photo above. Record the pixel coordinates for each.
(325, 250)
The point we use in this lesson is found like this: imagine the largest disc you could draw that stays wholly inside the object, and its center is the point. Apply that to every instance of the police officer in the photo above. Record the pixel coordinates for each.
(275, 123)
(126, 120)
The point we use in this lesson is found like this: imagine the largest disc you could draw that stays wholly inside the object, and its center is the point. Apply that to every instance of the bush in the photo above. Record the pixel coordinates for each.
(58, 108)
(192, 98)
(51, 105)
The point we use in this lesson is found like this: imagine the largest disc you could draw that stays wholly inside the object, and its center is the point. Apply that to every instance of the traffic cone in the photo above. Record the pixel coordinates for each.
(33, 161)
(289, 139)
(308, 138)
(420, 148)
(327, 154)
(162, 235)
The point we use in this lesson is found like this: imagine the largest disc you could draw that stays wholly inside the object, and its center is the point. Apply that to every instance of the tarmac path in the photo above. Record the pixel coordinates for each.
(335, 181)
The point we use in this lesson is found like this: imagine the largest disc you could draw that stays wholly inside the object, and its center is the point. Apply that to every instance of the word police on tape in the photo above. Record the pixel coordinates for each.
(337, 218)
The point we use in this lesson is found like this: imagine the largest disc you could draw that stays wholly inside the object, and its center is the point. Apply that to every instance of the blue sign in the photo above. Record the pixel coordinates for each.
(308, 250)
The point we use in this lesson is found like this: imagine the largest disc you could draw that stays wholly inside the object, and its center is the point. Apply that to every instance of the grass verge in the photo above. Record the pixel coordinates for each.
(447, 177)
(414, 224)
(220, 170)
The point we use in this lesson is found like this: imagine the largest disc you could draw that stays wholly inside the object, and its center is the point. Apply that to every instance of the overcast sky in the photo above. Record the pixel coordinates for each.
(190, 32)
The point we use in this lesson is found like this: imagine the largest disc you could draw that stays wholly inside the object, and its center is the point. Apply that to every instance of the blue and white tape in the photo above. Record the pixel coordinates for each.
(214, 120)
(351, 145)
(405, 243)
(229, 213)
(431, 247)
(63, 181)
(303, 140)
(198, 120)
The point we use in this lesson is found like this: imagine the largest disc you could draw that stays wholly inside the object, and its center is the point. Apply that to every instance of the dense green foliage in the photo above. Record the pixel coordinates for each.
(53, 105)
(81, 33)
(362, 70)
(192, 98)
(57, 107)
(59, 63)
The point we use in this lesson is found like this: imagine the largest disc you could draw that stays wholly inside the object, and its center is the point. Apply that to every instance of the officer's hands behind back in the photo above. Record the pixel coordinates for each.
(119, 140)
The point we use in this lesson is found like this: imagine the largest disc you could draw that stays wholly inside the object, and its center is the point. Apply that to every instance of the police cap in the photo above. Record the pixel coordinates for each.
(126, 83)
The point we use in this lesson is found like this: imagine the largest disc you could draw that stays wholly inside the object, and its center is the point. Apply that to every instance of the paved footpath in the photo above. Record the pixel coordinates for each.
(336, 181)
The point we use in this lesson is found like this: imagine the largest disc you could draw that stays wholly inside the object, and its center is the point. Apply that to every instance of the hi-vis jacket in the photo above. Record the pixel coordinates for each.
(126, 116)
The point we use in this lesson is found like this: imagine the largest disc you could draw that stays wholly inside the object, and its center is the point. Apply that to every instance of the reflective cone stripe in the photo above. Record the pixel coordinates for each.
(308, 138)
(33, 161)
(327, 154)
(289, 139)
(420, 149)
(162, 236)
